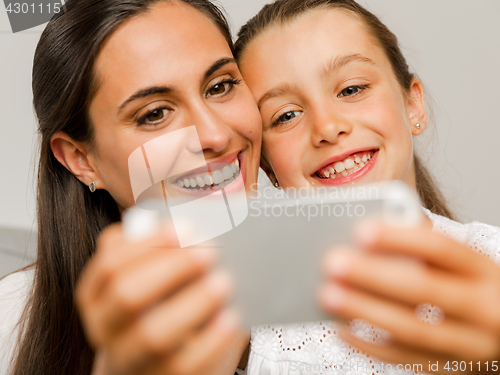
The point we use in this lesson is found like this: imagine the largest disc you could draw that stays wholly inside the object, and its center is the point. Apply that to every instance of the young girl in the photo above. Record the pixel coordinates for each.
(339, 106)
(108, 77)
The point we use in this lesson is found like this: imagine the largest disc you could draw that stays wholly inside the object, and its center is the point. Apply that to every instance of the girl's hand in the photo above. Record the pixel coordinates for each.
(401, 268)
(150, 307)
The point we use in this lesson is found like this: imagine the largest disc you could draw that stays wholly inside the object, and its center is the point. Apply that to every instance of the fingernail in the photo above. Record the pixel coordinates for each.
(367, 233)
(202, 255)
(338, 263)
(332, 296)
(219, 283)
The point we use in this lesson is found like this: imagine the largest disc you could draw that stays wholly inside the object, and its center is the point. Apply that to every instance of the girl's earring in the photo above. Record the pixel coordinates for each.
(92, 187)
(418, 126)
(276, 184)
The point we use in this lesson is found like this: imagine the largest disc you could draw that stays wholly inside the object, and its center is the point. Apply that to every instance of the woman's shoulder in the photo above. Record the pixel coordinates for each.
(16, 284)
(14, 291)
(480, 237)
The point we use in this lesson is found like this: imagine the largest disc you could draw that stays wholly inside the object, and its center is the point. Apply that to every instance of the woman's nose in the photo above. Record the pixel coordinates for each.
(329, 125)
(214, 134)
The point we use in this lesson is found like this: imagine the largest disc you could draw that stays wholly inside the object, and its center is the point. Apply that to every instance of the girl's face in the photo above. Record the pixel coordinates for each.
(162, 71)
(332, 109)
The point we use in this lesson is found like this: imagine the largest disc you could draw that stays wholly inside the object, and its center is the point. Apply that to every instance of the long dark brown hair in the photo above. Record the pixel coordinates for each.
(70, 217)
(281, 12)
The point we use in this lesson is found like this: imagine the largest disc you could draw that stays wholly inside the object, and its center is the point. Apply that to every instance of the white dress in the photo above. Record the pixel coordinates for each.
(297, 349)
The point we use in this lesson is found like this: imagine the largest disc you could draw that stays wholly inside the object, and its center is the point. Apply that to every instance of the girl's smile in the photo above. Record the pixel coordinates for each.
(333, 111)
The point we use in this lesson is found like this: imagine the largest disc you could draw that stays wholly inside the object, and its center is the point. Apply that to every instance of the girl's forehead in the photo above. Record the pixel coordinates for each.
(308, 45)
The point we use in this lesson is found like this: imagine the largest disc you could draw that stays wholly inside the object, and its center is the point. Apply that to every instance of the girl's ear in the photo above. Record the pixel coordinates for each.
(417, 111)
(73, 156)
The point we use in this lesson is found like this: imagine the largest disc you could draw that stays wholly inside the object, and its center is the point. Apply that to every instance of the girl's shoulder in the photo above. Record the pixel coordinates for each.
(14, 291)
(480, 237)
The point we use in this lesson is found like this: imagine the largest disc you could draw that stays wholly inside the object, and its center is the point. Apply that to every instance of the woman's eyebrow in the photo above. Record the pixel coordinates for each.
(146, 92)
(218, 65)
(340, 61)
(167, 90)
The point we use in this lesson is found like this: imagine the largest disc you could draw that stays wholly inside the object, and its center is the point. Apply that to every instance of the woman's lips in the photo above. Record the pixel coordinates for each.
(350, 169)
(215, 177)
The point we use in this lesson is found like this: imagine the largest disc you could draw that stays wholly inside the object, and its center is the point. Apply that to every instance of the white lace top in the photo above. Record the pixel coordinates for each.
(295, 349)
(315, 348)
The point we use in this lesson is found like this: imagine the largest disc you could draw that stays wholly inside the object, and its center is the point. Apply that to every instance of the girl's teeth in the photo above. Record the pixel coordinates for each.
(349, 164)
(347, 167)
(218, 177)
(181, 184)
(193, 182)
(187, 183)
(339, 167)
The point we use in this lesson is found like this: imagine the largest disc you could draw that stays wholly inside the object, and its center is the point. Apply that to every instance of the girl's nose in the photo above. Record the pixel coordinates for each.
(214, 134)
(329, 125)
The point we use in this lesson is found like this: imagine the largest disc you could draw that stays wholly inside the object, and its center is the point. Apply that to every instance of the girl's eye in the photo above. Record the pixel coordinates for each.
(286, 117)
(224, 87)
(153, 117)
(352, 90)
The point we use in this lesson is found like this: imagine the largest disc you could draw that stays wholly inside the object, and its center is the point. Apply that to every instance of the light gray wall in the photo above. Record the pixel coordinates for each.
(453, 45)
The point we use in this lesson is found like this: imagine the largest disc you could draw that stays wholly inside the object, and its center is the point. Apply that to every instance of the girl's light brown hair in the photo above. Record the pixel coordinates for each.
(282, 12)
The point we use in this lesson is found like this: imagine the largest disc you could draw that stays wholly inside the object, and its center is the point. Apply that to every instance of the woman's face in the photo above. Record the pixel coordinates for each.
(332, 109)
(163, 71)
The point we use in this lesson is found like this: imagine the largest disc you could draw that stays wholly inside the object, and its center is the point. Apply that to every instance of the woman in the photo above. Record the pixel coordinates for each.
(108, 77)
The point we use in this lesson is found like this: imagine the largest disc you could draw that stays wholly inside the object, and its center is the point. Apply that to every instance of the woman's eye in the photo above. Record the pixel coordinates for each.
(153, 117)
(286, 117)
(352, 90)
(218, 89)
(223, 88)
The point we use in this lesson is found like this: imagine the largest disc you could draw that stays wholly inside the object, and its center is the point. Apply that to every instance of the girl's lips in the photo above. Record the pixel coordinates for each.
(352, 177)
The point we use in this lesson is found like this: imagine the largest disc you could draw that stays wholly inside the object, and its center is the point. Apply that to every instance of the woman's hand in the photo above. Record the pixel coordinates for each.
(398, 269)
(150, 307)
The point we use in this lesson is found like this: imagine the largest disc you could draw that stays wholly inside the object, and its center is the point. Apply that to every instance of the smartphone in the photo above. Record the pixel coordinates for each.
(274, 252)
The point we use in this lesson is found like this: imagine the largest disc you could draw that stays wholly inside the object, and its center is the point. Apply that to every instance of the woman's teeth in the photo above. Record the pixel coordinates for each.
(215, 180)
(346, 167)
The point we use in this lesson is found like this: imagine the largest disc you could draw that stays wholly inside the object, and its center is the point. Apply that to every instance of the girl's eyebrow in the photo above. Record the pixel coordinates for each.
(340, 61)
(281, 89)
(331, 66)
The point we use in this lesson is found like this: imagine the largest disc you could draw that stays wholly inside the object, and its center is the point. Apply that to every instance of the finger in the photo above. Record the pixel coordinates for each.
(450, 337)
(432, 247)
(138, 286)
(403, 279)
(205, 353)
(393, 353)
(165, 327)
(113, 251)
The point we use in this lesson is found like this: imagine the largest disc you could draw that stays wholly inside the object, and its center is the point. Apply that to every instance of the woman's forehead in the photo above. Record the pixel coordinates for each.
(170, 42)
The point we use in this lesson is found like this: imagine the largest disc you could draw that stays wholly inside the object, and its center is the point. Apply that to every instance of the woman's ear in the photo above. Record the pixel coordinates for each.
(73, 156)
(417, 111)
